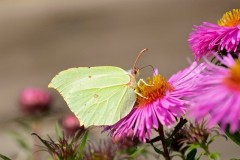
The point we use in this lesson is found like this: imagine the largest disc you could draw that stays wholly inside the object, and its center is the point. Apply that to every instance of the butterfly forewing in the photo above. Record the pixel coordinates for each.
(96, 95)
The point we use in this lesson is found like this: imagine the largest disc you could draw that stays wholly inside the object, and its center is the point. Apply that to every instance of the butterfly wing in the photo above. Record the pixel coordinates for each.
(96, 95)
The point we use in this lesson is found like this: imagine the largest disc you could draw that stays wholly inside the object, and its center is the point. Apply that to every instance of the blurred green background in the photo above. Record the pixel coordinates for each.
(39, 38)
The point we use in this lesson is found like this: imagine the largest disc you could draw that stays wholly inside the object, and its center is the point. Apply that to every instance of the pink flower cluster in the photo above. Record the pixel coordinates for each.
(209, 38)
(224, 37)
(218, 94)
(203, 90)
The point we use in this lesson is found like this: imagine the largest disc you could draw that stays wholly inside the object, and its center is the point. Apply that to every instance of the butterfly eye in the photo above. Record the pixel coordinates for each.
(135, 71)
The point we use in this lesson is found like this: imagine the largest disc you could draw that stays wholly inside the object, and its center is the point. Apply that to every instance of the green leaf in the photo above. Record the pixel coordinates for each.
(178, 127)
(24, 124)
(92, 93)
(168, 142)
(157, 150)
(235, 137)
(201, 154)
(20, 140)
(49, 147)
(191, 147)
(215, 156)
(83, 143)
(4, 157)
(58, 130)
(215, 137)
(191, 155)
(23, 144)
(137, 152)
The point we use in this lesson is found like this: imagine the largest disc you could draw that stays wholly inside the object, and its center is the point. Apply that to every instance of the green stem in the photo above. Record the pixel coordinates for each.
(207, 152)
(178, 127)
(165, 150)
(35, 129)
(182, 156)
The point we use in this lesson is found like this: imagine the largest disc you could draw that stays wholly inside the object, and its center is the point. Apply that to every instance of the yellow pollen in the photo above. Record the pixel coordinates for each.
(155, 88)
(233, 81)
(230, 19)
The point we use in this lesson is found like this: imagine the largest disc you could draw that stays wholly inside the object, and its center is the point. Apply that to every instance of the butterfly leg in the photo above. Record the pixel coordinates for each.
(142, 81)
(139, 94)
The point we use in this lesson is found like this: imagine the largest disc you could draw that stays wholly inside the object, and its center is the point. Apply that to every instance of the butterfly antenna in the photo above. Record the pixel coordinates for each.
(134, 70)
(155, 71)
(147, 66)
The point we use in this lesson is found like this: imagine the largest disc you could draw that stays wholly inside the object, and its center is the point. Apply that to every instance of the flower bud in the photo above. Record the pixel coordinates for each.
(126, 142)
(34, 100)
(70, 125)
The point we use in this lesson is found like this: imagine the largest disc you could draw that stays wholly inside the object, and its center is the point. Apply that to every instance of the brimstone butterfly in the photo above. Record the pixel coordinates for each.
(97, 95)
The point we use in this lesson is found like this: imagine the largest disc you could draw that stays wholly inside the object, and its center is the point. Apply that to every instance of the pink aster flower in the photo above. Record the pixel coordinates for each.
(159, 102)
(218, 94)
(208, 38)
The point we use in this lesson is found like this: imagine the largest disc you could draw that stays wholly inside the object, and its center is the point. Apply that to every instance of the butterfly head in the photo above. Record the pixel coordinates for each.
(135, 71)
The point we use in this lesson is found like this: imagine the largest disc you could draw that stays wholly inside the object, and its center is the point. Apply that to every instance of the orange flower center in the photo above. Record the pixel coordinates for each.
(230, 19)
(233, 81)
(155, 88)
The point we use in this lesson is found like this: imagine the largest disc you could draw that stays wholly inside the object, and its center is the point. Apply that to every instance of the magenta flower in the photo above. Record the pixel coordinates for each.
(201, 40)
(218, 94)
(35, 100)
(159, 102)
(208, 38)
